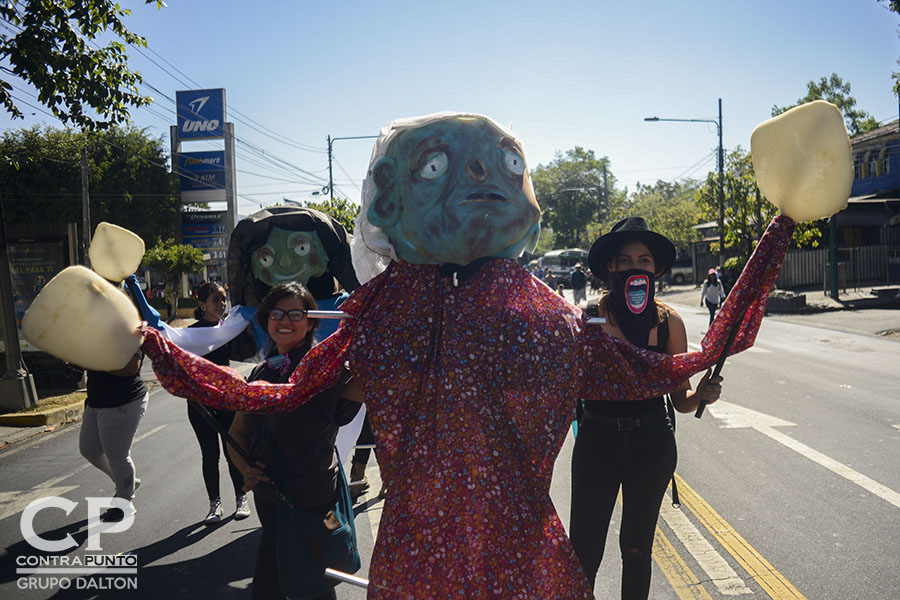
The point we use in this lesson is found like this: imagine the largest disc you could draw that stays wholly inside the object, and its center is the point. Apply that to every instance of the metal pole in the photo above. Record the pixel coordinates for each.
(330, 175)
(832, 256)
(331, 140)
(16, 386)
(85, 208)
(721, 223)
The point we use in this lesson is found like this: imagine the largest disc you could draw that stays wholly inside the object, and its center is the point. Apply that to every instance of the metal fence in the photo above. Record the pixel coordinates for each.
(804, 268)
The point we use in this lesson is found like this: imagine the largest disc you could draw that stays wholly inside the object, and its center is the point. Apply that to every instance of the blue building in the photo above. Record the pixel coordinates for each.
(872, 216)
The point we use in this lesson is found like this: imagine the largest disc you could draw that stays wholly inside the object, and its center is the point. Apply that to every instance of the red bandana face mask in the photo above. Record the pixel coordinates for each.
(631, 303)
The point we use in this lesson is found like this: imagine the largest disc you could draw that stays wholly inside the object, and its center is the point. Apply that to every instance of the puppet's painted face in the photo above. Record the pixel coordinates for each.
(289, 256)
(453, 191)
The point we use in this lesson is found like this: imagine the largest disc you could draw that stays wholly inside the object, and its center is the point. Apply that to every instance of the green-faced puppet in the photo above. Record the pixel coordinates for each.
(449, 188)
(287, 243)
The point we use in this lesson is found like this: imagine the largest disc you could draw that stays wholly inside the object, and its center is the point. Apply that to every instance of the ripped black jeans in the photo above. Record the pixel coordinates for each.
(639, 460)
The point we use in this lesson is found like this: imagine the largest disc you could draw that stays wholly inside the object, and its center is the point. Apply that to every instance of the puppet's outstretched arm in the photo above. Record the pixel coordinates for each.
(189, 376)
(612, 369)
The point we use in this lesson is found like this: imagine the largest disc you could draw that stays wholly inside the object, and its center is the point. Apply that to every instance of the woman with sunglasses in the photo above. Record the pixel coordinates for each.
(210, 309)
(304, 437)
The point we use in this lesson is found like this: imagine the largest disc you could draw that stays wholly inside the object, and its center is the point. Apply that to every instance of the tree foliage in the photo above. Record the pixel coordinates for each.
(668, 208)
(747, 213)
(128, 182)
(171, 261)
(894, 6)
(837, 91)
(51, 45)
(570, 191)
(340, 209)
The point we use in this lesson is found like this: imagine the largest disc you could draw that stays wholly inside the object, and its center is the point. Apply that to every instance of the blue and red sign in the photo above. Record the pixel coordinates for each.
(201, 114)
(201, 170)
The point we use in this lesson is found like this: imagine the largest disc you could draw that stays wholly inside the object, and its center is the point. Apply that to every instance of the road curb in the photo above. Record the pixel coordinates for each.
(51, 417)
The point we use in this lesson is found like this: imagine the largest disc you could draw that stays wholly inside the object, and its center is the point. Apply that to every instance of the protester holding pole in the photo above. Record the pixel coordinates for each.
(630, 444)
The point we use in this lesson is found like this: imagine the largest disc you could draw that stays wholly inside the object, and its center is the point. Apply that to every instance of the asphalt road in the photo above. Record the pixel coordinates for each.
(790, 487)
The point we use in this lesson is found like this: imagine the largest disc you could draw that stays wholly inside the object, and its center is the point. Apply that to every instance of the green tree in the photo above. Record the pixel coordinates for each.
(894, 6)
(747, 213)
(668, 207)
(340, 209)
(171, 261)
(570, 191)
(51, 46)
(835, 90)
(129, 184)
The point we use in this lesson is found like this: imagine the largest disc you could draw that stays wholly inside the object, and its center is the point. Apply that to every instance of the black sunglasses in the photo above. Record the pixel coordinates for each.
(276, 314)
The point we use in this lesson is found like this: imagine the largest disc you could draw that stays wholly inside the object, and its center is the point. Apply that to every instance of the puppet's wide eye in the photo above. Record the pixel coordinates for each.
(266, 260)
(434, 166)
(513, 161)
(302, 248)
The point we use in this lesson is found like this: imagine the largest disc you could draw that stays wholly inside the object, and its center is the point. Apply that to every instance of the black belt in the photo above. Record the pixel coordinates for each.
(626, 423)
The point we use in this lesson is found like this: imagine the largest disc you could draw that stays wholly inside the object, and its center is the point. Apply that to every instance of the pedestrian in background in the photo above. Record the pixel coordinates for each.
(712, 293)
(116, 401)
(209, 312)
(578, 280)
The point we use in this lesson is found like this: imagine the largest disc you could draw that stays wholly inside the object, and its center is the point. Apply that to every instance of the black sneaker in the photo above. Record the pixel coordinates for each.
(114, 515)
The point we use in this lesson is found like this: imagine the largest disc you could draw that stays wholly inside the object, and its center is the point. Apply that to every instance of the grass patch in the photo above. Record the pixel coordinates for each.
(54, 402)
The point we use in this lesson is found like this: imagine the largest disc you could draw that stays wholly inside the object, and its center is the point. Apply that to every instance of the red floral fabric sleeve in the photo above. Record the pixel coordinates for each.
(189, 376)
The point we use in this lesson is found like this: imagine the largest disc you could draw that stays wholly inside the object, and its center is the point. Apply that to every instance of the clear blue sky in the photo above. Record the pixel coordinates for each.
(562, 73)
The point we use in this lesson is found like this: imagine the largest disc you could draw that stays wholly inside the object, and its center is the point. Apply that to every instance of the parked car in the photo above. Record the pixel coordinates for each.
(682, 271)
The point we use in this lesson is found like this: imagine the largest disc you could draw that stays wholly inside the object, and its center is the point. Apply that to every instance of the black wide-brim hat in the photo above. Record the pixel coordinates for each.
(630, 229)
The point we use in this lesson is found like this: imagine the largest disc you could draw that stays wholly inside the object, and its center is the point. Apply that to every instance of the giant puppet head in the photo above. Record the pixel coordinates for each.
(446, 188)
(285, 243)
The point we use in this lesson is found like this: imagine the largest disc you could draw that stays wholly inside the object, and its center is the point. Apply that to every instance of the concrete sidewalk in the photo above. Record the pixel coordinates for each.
(18, 427)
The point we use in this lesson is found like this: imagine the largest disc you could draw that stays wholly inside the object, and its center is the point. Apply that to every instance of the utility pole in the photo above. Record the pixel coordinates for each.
(85, 208)
(331, 140)
(721, 190)
(721, 224)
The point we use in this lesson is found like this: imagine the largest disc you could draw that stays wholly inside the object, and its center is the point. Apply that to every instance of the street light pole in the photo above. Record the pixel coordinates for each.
(331, 140)
(721, 187)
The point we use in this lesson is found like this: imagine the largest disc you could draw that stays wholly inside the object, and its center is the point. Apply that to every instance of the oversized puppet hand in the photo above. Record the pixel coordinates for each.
(802, 161)
(80, 317)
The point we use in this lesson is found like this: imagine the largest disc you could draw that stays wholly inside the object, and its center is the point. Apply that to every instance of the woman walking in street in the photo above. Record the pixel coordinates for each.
(630, 444)
(712, 293)
(209, 312)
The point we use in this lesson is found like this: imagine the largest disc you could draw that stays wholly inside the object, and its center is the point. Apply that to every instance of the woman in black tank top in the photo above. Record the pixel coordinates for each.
(630, 444)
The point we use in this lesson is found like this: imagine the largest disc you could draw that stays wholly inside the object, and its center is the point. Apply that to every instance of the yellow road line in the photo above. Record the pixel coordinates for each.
(686, 585)
(757, 567)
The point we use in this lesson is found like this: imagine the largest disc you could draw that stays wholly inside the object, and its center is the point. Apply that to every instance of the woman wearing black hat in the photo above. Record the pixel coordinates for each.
(630, 444)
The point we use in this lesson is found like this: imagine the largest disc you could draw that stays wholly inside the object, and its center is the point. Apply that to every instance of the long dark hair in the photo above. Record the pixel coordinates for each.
(286, 290)
(203, 293)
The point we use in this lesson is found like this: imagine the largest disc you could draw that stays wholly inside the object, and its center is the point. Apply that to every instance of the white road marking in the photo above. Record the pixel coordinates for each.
(895, 426)
(752, 349)
(144, 436)
(12, 503)
(738, 416)
(717, 568)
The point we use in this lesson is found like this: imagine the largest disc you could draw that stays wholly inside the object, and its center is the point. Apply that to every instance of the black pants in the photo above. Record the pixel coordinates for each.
(366, 437)
(641, 461)
(713, 307)
(265, 576)
(209, 450)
